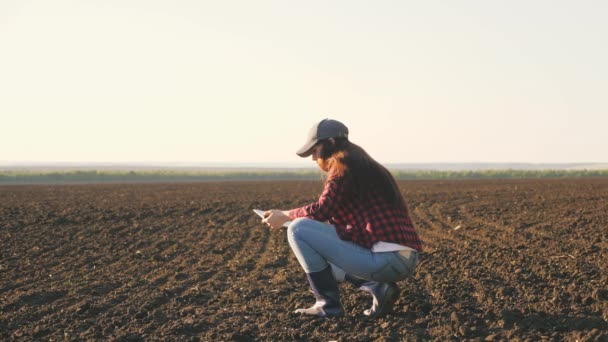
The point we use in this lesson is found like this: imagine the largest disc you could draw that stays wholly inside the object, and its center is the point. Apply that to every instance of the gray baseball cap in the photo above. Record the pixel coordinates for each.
(325, 129)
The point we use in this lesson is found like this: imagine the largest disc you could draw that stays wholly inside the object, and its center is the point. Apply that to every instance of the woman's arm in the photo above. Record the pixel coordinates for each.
(323, 209)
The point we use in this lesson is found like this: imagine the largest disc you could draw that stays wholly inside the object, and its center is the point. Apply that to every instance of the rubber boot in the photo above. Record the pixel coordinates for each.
(324, 286)
(384, 295)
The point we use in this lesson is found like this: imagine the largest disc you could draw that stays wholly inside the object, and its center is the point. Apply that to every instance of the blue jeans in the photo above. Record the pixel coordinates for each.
(316, 245)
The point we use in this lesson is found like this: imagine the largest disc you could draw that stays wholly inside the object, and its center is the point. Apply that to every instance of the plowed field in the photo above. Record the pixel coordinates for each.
(525, 259)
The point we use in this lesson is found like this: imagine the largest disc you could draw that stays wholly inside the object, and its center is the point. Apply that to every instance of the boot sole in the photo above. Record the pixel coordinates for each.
(319, 315)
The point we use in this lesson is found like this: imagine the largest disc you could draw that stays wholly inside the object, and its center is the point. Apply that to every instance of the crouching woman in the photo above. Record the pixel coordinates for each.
(359, 231)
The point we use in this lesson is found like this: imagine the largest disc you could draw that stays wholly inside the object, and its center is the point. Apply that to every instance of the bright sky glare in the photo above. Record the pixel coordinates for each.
(243, 81)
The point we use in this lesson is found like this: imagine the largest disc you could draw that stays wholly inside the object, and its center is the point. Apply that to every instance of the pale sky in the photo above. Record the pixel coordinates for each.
(243, 81)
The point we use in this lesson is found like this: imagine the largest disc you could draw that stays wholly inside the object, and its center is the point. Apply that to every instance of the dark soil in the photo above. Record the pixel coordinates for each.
(504, 260)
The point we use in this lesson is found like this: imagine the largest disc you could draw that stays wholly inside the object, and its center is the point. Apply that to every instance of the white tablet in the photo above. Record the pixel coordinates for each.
(259, 212)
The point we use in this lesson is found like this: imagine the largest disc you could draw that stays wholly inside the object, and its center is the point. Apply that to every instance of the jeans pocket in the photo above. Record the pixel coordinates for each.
(409, 263)
(392, 271)
(386, 273)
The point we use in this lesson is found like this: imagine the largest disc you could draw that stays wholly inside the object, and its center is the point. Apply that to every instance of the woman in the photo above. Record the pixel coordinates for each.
(358, 231)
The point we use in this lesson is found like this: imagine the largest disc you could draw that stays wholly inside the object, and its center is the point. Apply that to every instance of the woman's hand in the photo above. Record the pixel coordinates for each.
(275, 218)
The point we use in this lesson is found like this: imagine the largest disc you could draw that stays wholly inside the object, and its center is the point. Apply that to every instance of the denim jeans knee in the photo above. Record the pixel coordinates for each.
(306, 237)
(296, 226)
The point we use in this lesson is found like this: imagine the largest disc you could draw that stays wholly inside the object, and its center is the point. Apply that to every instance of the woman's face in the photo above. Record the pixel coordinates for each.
(316, 150)
(316, 156)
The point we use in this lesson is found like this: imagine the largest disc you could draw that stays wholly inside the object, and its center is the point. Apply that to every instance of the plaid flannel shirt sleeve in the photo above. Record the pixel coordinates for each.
(324, 208)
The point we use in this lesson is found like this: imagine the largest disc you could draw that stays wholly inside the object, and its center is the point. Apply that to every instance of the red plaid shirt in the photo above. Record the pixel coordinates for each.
(363, 222)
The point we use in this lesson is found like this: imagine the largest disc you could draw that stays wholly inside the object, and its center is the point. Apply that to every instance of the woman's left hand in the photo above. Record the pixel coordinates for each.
(275, 218)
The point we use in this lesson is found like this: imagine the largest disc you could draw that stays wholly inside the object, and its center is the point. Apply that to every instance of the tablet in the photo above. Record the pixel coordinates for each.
(259, 212)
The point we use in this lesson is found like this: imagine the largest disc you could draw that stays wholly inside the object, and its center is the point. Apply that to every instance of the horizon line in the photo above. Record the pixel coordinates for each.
(307, 161)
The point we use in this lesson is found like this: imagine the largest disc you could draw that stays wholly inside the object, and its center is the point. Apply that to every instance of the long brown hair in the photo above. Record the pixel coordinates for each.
(344, 158)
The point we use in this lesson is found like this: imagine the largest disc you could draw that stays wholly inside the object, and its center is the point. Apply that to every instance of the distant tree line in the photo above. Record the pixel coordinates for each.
(93, 176)
(147, 176)
(498, 174)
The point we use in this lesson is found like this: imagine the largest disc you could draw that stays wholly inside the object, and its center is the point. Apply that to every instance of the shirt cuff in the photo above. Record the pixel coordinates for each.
(294, 213)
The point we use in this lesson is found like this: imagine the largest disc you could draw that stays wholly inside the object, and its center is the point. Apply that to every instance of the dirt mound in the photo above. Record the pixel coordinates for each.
(191, 261)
